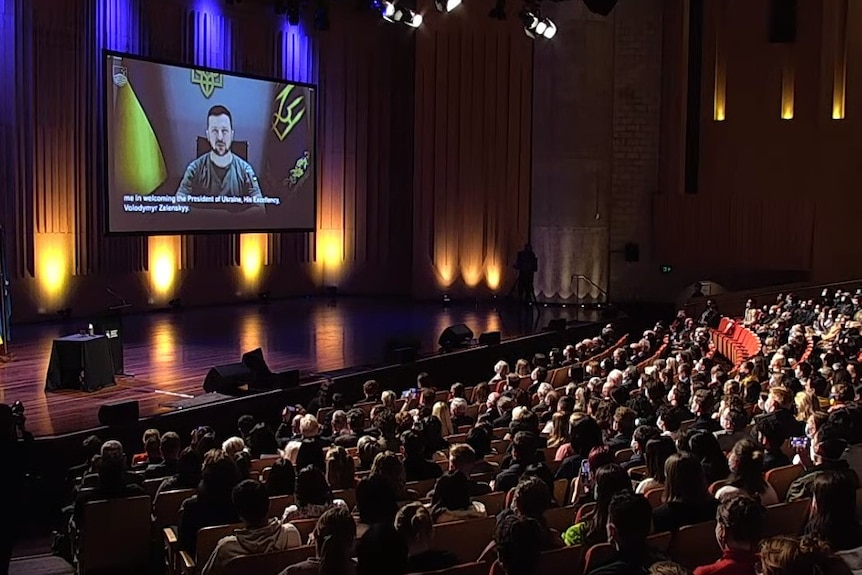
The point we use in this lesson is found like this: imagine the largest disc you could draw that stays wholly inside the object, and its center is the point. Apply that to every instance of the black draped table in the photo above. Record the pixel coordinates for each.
(80, 362)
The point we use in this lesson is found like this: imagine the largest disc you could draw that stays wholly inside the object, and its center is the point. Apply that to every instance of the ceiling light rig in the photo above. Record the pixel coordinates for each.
(399, 13)
(535, 25)
(446, 6)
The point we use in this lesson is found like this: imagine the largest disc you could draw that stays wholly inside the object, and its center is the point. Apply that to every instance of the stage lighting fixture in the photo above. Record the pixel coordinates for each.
(535, 25)
(386, 9)
(292, 11)
(407, 16)
(498, 12)
(446, 5)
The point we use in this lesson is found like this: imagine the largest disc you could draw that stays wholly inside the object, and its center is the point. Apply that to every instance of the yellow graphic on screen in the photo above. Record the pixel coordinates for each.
(286, 116)
(208, 81)
(139, 165)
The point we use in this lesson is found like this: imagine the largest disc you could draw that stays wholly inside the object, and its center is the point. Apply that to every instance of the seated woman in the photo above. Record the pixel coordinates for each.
(188, 473)
(313, 496)
(785, 555)
(655, 456)
(367, 448)
(833, 516)
(746, 474)
(375, 503)
(282, 478)
(389, 466)
(340, 469)
(704, 445)
(213, 503)
(415, 525)
(609, 480)
(584, 435)
(559, 429)
(417, 466)
(686, 498)
(334, 539)
(451, 500)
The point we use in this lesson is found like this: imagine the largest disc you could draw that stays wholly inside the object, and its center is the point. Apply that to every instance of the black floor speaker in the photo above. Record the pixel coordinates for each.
(455, 336)
(228, 378)
(119, 413)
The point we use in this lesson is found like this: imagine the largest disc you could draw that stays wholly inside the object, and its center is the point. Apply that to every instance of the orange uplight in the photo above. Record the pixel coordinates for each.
(446, 273)
(472, 275)
(53, 268)
(164, 257)
(492, 275)
(252, 257)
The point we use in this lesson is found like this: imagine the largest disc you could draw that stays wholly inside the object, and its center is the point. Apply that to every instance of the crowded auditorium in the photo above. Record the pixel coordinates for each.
(430, 287)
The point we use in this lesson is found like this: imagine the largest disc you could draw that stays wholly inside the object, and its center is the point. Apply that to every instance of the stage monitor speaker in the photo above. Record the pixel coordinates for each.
(632, 252)
(401, 349)
(119, 413)
(256, 363)
(558, 324)
(602, 7)
(228, 378)
(404, 355)
(783, 18)
(455, 336)
(490, 338)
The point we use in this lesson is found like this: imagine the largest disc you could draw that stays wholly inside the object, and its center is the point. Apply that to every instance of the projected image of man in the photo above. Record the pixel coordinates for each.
(219, 172)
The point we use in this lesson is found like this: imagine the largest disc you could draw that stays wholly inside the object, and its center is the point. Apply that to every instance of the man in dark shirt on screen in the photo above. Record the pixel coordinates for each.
(220, 172)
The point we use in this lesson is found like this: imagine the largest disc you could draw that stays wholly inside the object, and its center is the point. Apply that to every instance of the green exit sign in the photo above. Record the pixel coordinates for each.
(666, 269)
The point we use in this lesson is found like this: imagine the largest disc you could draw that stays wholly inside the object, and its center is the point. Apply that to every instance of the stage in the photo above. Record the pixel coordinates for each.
(169, 353)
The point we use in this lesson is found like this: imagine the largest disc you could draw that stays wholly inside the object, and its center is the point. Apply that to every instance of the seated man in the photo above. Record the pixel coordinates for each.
(519, 545)
(703, 404)
(111, 482)
(629, 524)
(770, 434)
(170, 448)
(733, 421)
(639, 440)
(624, 426)
(458, 407)
(416, 466)
(462, 458)
(112, 450)
(356, 425)
(825, 453)
(738, 531)
(524, 454)
(258, 534)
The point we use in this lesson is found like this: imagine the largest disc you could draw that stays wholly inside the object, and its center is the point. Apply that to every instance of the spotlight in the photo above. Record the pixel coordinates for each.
(292, 10)
(386, 9)
(407, 16)
(498, 12)
(535, 25)
(550, 29)
(447, 5)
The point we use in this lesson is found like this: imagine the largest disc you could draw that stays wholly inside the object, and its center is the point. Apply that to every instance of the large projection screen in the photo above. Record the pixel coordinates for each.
(194, 150)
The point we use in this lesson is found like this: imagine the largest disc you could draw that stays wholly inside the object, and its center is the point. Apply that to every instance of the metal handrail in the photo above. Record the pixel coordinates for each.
(580, 277)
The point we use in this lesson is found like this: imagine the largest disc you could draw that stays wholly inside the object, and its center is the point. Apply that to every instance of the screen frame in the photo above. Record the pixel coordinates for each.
(104, 155)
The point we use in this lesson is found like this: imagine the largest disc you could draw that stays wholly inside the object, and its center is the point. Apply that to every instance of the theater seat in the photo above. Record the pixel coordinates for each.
(267, 563)
(464, 539)
(463, 569)
(786, 518)
(695, 545)
(780, 478)
(108, 545)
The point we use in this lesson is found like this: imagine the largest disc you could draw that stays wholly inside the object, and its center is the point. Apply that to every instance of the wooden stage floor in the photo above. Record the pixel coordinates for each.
(171, 352)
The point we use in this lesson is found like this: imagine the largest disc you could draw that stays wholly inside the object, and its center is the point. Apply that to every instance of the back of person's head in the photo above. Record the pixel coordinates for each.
(479, 438)
(282, 478)
(334, 539)
(262, 441)
(807, 555)
(412, 444)
(151, 434)
(189, 467)
(311, 487)
(684, 479)
(519, 541)
(233, 445)
(739, 519)
(171, 445)
(308, 425)
(389, 466)
(772, 433)
(531, 498)
(524, 447)
(849, 420)
(381, 551)
(738, 418)
(356, 420)
(371, 388)
(671, 418)
(655, 456)
(624, 420)
(92, 445)
(451, 492)
(219, 473)
(245, 424)
(781, 397)
(705, 446)
(599, 457)
(833, 510)
(414, 523)
(642, 435)
(667, 568)
(152, 446)
(609, 480)
(112, 448)
(367, 449)
(206, 443)
(251, 502)
(629, 520)
(462, 457)
(340, 469)
(427, 397)
(375, 500)
(584, 434)
(746, 466)
(829, 442)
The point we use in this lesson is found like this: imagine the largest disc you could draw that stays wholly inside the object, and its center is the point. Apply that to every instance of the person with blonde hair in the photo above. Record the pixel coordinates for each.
(414, 524)
(559, 429)
(441, 412)
(388, 399)
(233, 445)
(522, 368)
(786, 555)
(458, 412)
(340, 469)
(804, 406)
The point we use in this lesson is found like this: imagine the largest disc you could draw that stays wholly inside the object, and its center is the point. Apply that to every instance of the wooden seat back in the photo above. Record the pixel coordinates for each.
(267, 563)
(780, 478)
(464, 539)
(107, 544)
(166, 507)
(695, 545)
